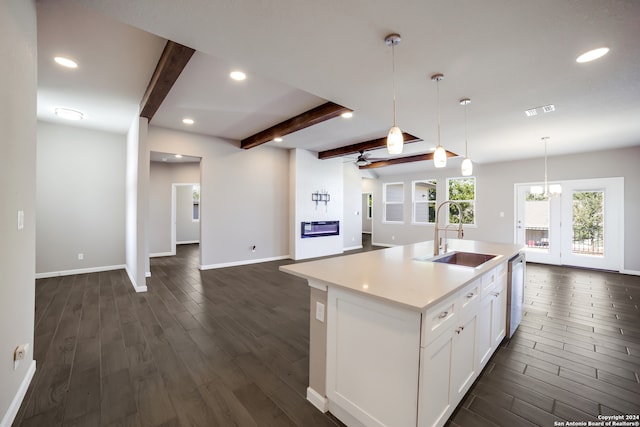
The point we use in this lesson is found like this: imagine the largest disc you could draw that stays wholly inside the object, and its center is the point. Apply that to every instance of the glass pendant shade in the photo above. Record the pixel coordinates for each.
(395, 141)
(467, 167)
(440, 157)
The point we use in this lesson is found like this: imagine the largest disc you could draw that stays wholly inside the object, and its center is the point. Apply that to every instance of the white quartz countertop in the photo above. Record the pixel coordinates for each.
(393, 274)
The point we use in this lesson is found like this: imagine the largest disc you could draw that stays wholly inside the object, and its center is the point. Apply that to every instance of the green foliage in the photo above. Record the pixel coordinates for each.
(537, 197)
(464, 191)
(588, 208)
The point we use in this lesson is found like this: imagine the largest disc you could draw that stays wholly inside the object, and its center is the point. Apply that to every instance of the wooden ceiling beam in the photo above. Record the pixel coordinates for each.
(401, 160)
(312, 117)
(171, 63)
(374, 144)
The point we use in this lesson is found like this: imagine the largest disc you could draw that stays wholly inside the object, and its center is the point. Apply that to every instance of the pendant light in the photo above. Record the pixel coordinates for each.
(395, 141)
(440, 155)
(467, 167)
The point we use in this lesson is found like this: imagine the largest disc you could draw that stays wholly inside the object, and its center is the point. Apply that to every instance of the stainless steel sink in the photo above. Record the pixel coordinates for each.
(468, 259)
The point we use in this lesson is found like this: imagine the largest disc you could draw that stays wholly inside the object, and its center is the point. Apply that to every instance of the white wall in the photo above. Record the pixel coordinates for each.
(244, 197)
(187, 230)
(18, 47)
(366, 221)
(161, 178)
(80, 200)
(137, 180)
(309, 174)
(495, 194)
(351, 230)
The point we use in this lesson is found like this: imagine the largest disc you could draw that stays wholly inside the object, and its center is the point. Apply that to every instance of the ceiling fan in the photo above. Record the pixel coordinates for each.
(363, 159)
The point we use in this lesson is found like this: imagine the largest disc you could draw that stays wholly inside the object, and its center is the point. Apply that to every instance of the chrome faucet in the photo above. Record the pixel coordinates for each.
(436, 241)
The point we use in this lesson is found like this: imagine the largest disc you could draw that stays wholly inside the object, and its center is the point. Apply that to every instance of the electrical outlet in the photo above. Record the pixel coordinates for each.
(19, 354)
(81, 256)
(320, 311)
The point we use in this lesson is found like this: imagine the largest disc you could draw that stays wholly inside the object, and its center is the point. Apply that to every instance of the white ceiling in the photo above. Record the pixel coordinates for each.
(505, 56)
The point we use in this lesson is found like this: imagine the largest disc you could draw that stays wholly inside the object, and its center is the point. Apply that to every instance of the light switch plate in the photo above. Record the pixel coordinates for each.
(20, 219)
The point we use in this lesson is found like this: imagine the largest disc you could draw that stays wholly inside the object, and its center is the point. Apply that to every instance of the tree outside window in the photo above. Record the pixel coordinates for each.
(462, 191)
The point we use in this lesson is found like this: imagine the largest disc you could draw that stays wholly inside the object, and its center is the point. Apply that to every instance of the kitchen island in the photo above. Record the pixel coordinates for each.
(397, 339)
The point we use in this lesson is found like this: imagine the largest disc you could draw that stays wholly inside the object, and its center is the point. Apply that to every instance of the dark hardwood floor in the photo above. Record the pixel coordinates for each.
(229, 347)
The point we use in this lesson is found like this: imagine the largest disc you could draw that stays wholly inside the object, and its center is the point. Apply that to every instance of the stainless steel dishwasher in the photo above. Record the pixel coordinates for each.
(515, 292)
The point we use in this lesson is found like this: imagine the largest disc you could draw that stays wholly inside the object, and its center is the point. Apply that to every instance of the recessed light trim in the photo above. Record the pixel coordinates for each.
(592, 55)
(531, 112)
(277, 139)
(347, 115)
(548, 108)
(187, 121)
(65, 62)
(68, 114)
(238, 75)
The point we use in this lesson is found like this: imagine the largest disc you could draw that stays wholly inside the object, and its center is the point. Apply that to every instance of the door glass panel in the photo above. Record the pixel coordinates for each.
(588, 223)
(536, 222)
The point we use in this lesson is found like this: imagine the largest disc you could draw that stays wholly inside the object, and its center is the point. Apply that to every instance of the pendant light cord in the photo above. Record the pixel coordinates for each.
(393, 78)
(466, 146)
(438, 106)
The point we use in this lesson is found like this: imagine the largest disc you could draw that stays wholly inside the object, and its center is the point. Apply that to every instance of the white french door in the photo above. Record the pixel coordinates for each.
(582, 226)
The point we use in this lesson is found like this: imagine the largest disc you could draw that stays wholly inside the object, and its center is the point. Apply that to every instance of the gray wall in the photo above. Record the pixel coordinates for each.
(18, 67)
(352, 227)
(161, 178)
(187, 230)
(495, 194)
(80, 199)
(244, 196)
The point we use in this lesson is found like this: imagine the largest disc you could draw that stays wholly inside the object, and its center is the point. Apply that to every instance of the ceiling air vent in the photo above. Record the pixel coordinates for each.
(549, 108)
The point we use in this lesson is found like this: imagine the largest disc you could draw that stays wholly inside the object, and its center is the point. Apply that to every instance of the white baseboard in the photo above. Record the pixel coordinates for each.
(159, 254)
(366, 232)
(147, 274)
(317, 400)
(12, 411)
(136, 287)
(188, 242)
(79, 271)
(243, 262)
(630, 272)
(352, 248)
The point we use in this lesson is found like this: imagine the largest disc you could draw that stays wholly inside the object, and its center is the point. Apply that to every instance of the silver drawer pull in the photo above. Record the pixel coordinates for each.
(470, 295)
(443, 315)
(495, 294)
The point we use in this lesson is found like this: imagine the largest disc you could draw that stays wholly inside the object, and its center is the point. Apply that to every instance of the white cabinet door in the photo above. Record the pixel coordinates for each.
(373, 352)
(499, 317)
(435, 386)
(464, 361)
(484, 341)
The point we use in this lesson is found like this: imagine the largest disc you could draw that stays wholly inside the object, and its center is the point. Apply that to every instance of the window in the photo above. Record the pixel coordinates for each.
(393, 200)
(424, 201)
(195, 192)
(463, 191)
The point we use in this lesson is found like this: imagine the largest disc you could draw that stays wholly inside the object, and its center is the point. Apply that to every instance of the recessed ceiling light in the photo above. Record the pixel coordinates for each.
(548, 108)
(592, 54)
(65, 62)
(277, 139)
(68, 114)
(347, 115)
(187, 121)
(238, 75)
(178, 156)
(530, 112)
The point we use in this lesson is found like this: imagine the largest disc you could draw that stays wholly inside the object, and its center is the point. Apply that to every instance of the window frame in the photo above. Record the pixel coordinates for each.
(195, 203)
(473, 202)
(385, 203)
(415, 202)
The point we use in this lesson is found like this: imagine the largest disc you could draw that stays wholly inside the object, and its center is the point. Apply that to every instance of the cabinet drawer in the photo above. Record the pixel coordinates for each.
(469, 298)
(439, 318)
(489, 280)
